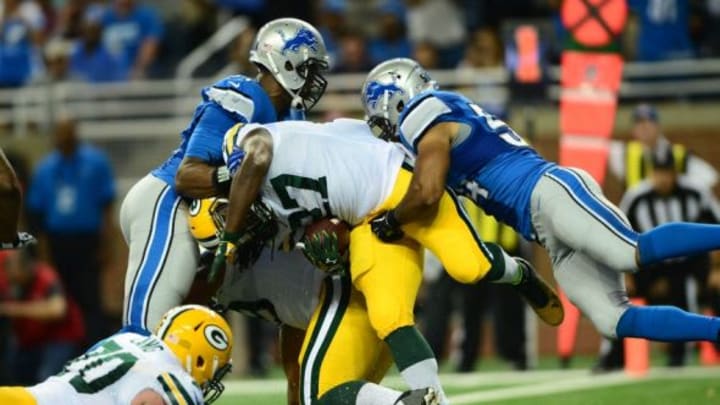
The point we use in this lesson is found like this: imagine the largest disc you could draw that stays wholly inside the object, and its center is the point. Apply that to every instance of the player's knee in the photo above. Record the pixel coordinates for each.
(388, 320)
(623, 261)
(606, 322)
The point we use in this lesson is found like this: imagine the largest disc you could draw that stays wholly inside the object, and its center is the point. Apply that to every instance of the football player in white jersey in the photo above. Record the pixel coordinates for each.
(284, 288)
(183, 362)
(308, 171)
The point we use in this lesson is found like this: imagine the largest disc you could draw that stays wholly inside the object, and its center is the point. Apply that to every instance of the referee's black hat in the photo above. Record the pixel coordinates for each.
(663, 158)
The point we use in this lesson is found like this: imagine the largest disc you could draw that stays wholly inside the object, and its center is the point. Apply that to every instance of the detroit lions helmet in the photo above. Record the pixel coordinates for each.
(294, 52)
(387, 90)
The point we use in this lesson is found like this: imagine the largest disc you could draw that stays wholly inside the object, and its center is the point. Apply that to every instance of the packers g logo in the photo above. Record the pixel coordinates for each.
(194, 207)
(216, 337)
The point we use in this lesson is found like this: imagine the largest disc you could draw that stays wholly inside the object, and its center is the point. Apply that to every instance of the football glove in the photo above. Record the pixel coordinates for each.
(22, 240)
(386, 227)
(243, 249)
(224, 254)
(235, 160)
(323, 250)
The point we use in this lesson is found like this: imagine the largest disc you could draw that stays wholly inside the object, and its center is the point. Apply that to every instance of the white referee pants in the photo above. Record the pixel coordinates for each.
(163, 255)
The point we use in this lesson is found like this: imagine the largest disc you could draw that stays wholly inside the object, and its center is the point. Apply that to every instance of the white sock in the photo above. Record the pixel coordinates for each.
(513, 271)
(425, 374)
(374, 394)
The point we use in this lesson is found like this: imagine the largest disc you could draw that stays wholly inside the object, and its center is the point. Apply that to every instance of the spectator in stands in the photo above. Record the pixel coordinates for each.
(353, 54)
(133, 31)
(631, 161)
(20, 33)
(332, 25)
(70, 202)
(47, 326)
(440, 23)
(426, 54)
(664, 197)
(483, 50)
(664, 29)
(91, 60)
(710, 38)
(392, 41)
(57, 54)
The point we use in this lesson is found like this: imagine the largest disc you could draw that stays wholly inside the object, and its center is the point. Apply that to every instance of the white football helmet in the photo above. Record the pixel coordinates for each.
(294, 52)
(388, 88)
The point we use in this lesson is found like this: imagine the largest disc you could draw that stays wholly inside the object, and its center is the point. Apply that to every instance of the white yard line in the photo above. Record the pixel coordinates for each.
(580, 383)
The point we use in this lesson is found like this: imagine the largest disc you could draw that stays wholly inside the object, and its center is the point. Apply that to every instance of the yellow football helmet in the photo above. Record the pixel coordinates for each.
(202, 340)
(206, 219)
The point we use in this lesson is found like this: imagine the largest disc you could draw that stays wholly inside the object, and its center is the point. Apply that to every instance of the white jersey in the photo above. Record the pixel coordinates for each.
(115, 370)
(282, 287)
(337, 169)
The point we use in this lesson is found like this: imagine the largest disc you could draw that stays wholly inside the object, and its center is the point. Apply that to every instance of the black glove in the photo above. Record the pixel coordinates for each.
(386, 227)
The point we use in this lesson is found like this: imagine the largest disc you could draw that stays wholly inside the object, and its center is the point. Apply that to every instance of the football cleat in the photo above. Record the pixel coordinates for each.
(539, 295)
(422, 396)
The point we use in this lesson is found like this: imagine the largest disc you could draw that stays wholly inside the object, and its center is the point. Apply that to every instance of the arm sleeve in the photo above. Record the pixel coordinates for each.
(207, 136)
(419, 119)
(178, 389)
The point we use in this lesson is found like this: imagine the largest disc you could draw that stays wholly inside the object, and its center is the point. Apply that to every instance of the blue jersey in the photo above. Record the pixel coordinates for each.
(489, 162)
(225, 103)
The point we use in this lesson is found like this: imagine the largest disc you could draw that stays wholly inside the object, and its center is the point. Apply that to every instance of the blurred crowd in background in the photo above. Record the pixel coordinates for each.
(51, 306)
(119, 40)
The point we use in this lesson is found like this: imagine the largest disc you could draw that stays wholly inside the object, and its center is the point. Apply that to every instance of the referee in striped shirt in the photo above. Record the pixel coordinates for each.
(666, 196)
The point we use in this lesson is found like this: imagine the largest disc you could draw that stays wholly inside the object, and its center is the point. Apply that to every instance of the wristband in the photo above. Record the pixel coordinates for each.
(221, 180)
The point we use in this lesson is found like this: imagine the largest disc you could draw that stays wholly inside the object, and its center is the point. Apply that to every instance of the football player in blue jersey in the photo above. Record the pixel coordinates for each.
(163, 256)
(589, 240)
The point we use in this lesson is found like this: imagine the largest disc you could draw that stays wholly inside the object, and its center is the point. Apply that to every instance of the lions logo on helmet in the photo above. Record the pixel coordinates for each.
(201, 340)
(388, 88)
(294, 53)
(206, 219)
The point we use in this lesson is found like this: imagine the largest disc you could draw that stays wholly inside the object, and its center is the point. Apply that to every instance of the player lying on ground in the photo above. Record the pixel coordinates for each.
(183, 362)
(307, 171)
(10, 204)
(291, 58)
(589, 240)
(284, 288)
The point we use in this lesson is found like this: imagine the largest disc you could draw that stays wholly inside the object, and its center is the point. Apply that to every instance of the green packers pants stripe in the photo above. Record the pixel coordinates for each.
(337, 297)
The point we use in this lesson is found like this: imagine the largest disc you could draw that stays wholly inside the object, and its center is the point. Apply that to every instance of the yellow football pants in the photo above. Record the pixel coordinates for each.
(16, 396)
(450, 235)
(340, 344)
(389, 274)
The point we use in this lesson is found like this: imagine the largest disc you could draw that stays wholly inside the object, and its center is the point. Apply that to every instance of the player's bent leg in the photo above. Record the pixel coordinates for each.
(16, 396)
(453, 239)
(340, 345)
(569, 204)
(162, 254)
(389, 276)
(676, 239)
(667, 324)
(597, 290)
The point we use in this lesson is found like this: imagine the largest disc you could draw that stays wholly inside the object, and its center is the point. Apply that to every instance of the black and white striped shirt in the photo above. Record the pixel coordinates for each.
(689, 202)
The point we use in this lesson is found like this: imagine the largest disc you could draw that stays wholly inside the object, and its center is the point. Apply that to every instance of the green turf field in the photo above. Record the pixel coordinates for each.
(692, 385)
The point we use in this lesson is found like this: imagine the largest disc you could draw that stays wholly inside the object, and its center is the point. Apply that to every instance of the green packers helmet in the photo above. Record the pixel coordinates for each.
(206, 218)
